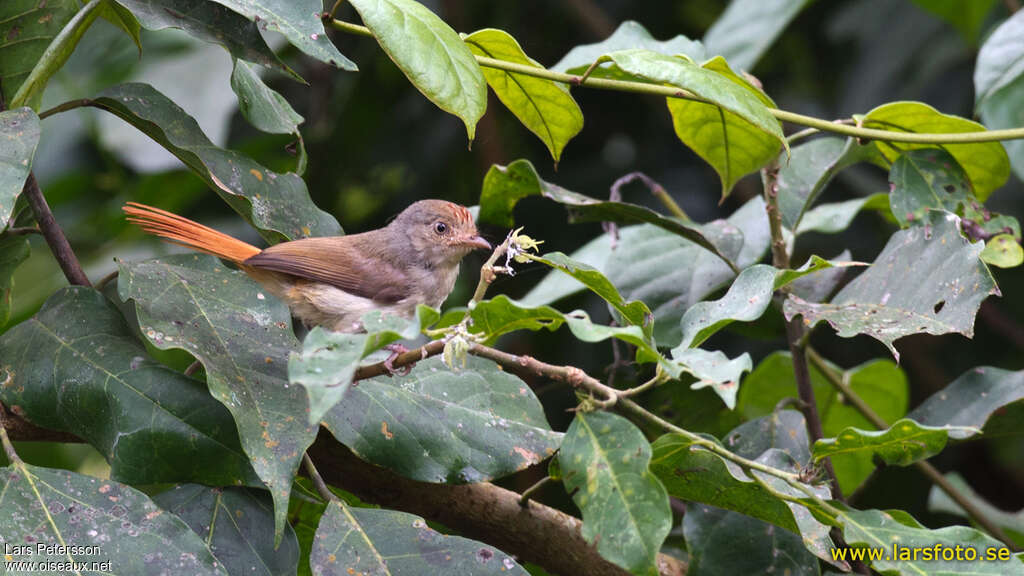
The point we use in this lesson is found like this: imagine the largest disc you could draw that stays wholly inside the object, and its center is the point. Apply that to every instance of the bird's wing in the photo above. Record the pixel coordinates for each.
(354, 264)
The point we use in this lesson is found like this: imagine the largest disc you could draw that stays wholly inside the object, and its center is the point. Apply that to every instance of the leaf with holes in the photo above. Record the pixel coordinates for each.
(237, 525)
(277, 204)
(353, 540)
(45, 509)
(950, 284)
(19, 135)
(76, 367)
(629, 34)
(430, 54)
(243, 340)
(748, 27)
(545, 107)
(440, 425)
(904, 443)
(27, 27)
(604, 461)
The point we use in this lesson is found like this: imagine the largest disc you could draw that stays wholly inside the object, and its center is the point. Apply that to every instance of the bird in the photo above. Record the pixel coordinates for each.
(333, 281)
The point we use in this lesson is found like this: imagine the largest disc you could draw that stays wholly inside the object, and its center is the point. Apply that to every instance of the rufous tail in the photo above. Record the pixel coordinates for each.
(185, 232)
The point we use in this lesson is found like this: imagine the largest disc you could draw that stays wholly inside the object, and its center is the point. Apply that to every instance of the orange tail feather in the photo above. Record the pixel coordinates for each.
(185, 232)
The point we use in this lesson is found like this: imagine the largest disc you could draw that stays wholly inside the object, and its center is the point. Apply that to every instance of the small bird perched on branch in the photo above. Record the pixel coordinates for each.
(333, 281)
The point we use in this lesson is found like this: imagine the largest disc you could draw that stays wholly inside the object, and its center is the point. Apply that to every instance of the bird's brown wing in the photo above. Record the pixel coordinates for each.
(353, 263)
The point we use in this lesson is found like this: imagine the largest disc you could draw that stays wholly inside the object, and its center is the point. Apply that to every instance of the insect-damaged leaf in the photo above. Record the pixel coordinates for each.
(902, 444)
(19, 135)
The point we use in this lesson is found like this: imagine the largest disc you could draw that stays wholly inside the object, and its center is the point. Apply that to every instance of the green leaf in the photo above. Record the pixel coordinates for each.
(939, 501)
(556, 285)
(604, 460)
(904, 443)
(732, 129)
(440, 425)
(880, 383)
(949, 285)
(329, 360)
(714, 369)
(629, 34)
(545, 107)
(30, 92)
(505, 186)
(277, 204)
(119, 525)
(13, 251)
(209, 22)
(837, 216)
(1002, 251)
(19, 135)
(748, 27)
(27, 27)
(1000, 60)
(299, 21)
(885, 530)
(967, 17)
(430, 54)
(238, 526)
(1001, 110)
(367, 541)
(262, 107)
(121, 17)
(976, 400)
(986, 163)
(151, 423)
(243, 339)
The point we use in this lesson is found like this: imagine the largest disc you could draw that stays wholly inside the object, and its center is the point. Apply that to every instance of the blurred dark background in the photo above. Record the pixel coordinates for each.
(375, 145)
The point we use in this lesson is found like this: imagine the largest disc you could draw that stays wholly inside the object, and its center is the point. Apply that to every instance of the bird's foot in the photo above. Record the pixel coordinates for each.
(396, 350)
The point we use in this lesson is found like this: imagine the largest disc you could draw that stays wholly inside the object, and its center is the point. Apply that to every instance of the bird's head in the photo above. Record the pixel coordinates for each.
(439, 232)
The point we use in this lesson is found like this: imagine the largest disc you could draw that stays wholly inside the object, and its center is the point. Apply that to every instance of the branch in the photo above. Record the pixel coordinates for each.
(52, 232)
(674, 92)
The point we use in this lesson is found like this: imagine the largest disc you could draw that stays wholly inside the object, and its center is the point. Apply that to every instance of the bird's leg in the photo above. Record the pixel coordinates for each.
(396, 349)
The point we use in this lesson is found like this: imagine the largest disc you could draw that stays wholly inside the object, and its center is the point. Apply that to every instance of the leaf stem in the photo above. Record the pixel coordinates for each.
(839, 383)
(674, 92)
(53, 234)
(22, 231)
(529, 492)
(12, 454)
(65, 106)
(318, 480)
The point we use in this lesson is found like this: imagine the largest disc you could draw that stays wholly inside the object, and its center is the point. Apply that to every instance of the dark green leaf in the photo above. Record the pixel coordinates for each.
(836, 217)
(1000, 59)
(748, 27)
(986, 163)
(431, 55)
(277, 204)
(77, 367)
(210, 22)
(949, 285)
(939, 501)
(27, 27)
(604, 459)
(366, 541)
(121, 17)
(262, 107)
(238, 526)
(19, 135)
(440, 425)
(783, 430)
(976, 400)
(904, 443)
(30, 92)
(545, 107)
(629, 34)
(13, 251)
(299, 21)
(117, 523)
(243, 340)
(967, 17)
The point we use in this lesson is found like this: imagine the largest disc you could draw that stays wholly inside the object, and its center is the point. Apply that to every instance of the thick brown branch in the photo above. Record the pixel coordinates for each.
(54, 235)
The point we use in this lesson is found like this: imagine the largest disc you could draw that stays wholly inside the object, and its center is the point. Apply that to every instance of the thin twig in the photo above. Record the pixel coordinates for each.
(655, 189)
(193, 368)
(529, 492)
(12, 454)
(22, 231)
(318, 481)
(54, 235)
(102, 283)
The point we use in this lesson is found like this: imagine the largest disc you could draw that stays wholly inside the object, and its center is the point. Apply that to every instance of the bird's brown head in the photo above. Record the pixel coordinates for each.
(438, 231)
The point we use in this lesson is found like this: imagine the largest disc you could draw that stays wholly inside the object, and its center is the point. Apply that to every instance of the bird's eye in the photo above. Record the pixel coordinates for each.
(440, 227)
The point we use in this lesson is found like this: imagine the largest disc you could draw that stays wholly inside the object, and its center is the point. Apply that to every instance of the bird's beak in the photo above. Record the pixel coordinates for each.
(476, 242)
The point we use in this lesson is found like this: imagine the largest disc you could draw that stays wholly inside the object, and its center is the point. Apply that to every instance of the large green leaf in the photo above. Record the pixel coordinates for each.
(545, 107)
(604, 460)
(431, 55)
(299, 21)
(243, 340)
(902, 444)
(935, 549)
(986, 163)
(210, 22)
(366, 541)
(440, 425)
(938, 501)
(113, 525)
(76, 367)
(976, 399)
(237, 525)
(1001, 110)
(27, 27)
(262, 107)
(1000, 60)
(277, 204)
(949, 284)
(53, 57)
(837, 216)
(555, 285)
(629, 34)
(748, 27)
(19, 135)
(13, 251)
